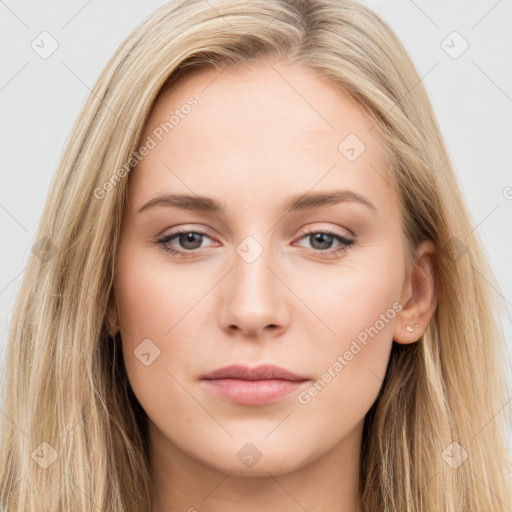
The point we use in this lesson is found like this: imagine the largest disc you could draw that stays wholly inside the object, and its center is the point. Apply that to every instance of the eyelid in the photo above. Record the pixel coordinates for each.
(333, 231)
(303, 231)
(346, 242)
(198, 228)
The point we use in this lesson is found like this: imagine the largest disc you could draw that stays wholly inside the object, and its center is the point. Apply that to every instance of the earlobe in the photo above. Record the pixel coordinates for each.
(419, 297)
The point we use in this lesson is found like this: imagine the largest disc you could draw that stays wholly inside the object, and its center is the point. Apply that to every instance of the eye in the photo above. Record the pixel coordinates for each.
(321, 242)
(190, 240)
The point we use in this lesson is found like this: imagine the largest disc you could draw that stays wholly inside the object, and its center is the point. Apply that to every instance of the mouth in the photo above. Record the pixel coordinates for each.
(262, 385)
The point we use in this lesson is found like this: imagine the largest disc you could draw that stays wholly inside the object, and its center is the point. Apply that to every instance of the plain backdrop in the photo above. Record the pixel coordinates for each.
(462, 50)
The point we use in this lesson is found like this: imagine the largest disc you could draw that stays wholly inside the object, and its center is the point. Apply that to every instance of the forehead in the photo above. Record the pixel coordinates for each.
(263, 127)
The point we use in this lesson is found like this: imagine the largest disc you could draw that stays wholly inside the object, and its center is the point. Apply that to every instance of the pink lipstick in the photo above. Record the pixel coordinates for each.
(261, 385)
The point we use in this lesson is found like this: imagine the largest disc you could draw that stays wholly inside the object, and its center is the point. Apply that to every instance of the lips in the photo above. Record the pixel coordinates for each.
(262, 385)
(262, 372)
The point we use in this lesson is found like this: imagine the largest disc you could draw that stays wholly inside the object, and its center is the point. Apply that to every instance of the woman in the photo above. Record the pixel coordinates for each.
(361, 371)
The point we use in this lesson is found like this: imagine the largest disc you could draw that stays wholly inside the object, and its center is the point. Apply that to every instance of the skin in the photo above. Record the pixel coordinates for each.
(259, 134)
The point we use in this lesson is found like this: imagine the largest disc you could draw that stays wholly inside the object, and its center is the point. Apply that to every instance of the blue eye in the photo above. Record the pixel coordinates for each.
(191, 240)
(327, 237)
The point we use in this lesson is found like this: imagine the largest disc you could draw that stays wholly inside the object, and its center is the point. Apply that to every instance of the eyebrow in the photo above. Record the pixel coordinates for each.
(301, 202)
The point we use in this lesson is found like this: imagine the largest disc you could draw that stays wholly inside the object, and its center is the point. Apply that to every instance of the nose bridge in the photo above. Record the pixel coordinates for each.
(254, 298)
(252, 277)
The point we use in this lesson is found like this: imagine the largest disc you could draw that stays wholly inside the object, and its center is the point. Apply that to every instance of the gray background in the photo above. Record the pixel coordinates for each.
(471, 93)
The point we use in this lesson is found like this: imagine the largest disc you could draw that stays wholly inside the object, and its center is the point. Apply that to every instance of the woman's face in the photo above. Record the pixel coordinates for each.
(280, 276)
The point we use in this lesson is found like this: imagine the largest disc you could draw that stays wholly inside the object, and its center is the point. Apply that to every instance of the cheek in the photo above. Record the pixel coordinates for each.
(159, 314)
(152, 295)
(350, 370)
(359, 308)
(354, 299)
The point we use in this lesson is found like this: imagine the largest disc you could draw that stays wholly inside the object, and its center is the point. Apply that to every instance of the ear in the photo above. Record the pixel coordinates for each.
(112, 315)
(419, 297)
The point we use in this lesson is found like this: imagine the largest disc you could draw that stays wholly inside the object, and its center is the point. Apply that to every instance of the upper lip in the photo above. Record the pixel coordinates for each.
(261, 372)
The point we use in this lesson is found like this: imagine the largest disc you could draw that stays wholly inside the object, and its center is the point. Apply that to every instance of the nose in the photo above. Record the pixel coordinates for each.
(254, 299)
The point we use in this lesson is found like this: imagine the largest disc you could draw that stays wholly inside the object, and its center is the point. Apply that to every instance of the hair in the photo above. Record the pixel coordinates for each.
(68, 404)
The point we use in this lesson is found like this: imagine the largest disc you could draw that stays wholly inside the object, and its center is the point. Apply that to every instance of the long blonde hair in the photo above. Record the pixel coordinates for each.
(73, 435)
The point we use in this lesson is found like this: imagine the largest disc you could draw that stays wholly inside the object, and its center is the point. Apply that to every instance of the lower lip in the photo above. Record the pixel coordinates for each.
(252, 392)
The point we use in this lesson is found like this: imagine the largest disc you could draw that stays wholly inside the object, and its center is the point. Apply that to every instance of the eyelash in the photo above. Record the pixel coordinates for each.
(330, 253)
